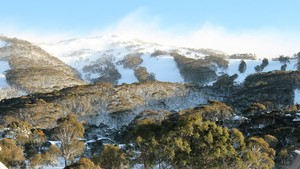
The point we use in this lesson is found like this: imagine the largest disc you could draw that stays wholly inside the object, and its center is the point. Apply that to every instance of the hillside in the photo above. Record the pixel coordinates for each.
(114, 59)
(30, 69)
(113, 85)
(103, 103)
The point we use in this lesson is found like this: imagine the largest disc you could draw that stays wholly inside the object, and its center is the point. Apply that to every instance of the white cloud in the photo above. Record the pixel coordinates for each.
(34, 35)
(141, 25)
(263, 42)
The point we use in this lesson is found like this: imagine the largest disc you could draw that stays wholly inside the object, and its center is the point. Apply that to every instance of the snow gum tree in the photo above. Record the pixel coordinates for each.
(264, 63)
(10, 154)
(111, 157)
(83, 163)
(242, 66)
(19, 131)
(187, 140)
(70, 132)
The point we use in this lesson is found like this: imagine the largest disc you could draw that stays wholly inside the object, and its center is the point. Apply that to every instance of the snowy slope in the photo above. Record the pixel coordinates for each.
(2, 43)
(164, 68)
(297, 96)
(4, 66)
(273, 65)
(79, 53)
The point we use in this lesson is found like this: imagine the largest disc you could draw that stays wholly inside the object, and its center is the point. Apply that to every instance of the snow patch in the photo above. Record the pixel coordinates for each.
(297, 151)
(233, 68)
(164, 67)
(297, 117)
(64, 48)
(239, 118)
(4, 66)
(127, 75)
(2, 166)
(297, 96)
(3, 44)
(79, 53)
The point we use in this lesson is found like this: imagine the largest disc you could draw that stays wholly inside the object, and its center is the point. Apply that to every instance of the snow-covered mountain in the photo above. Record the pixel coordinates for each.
(55, 77)
(116, 59)
(26, 68)
(112, 50)
(80, 53)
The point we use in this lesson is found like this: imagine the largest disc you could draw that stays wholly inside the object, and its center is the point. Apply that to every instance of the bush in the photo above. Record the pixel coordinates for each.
(264, 63)
(248, 56)
(283, 67)
(159, 52)
(132, 61)
(50, 156)
(36, 160)
(195, 71)
(242, 66)
(83, 163)
(219, 60)
(258, 68)
(225, 80)
(284, 59)
(142, 75)
(111, 157)
(11, 155)
(104, 68)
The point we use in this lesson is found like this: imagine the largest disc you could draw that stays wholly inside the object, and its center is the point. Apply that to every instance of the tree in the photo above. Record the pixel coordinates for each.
(193, 143)
(50, 156)
(242, 66)
(10, 154)
(264, 63)
(272, 140)
(298, 60)
(283, 67)
(143, 75)
(83, 163)
(258, 68)
(186, 140)
(145, 136)
(33, 145)
(111, 157)
(69, 131)
(284, 59)
(258, 154)
(283, 154)
(36, 160)
(19, 131)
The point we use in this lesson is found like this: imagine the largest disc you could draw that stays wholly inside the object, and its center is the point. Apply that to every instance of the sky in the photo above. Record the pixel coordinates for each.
(268, 28)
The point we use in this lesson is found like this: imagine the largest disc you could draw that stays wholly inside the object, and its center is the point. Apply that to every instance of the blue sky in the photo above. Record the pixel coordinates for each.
(228, 21)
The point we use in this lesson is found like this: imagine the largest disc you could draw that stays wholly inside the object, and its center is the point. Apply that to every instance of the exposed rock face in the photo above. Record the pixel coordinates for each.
(103, 104)
(34, 70)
